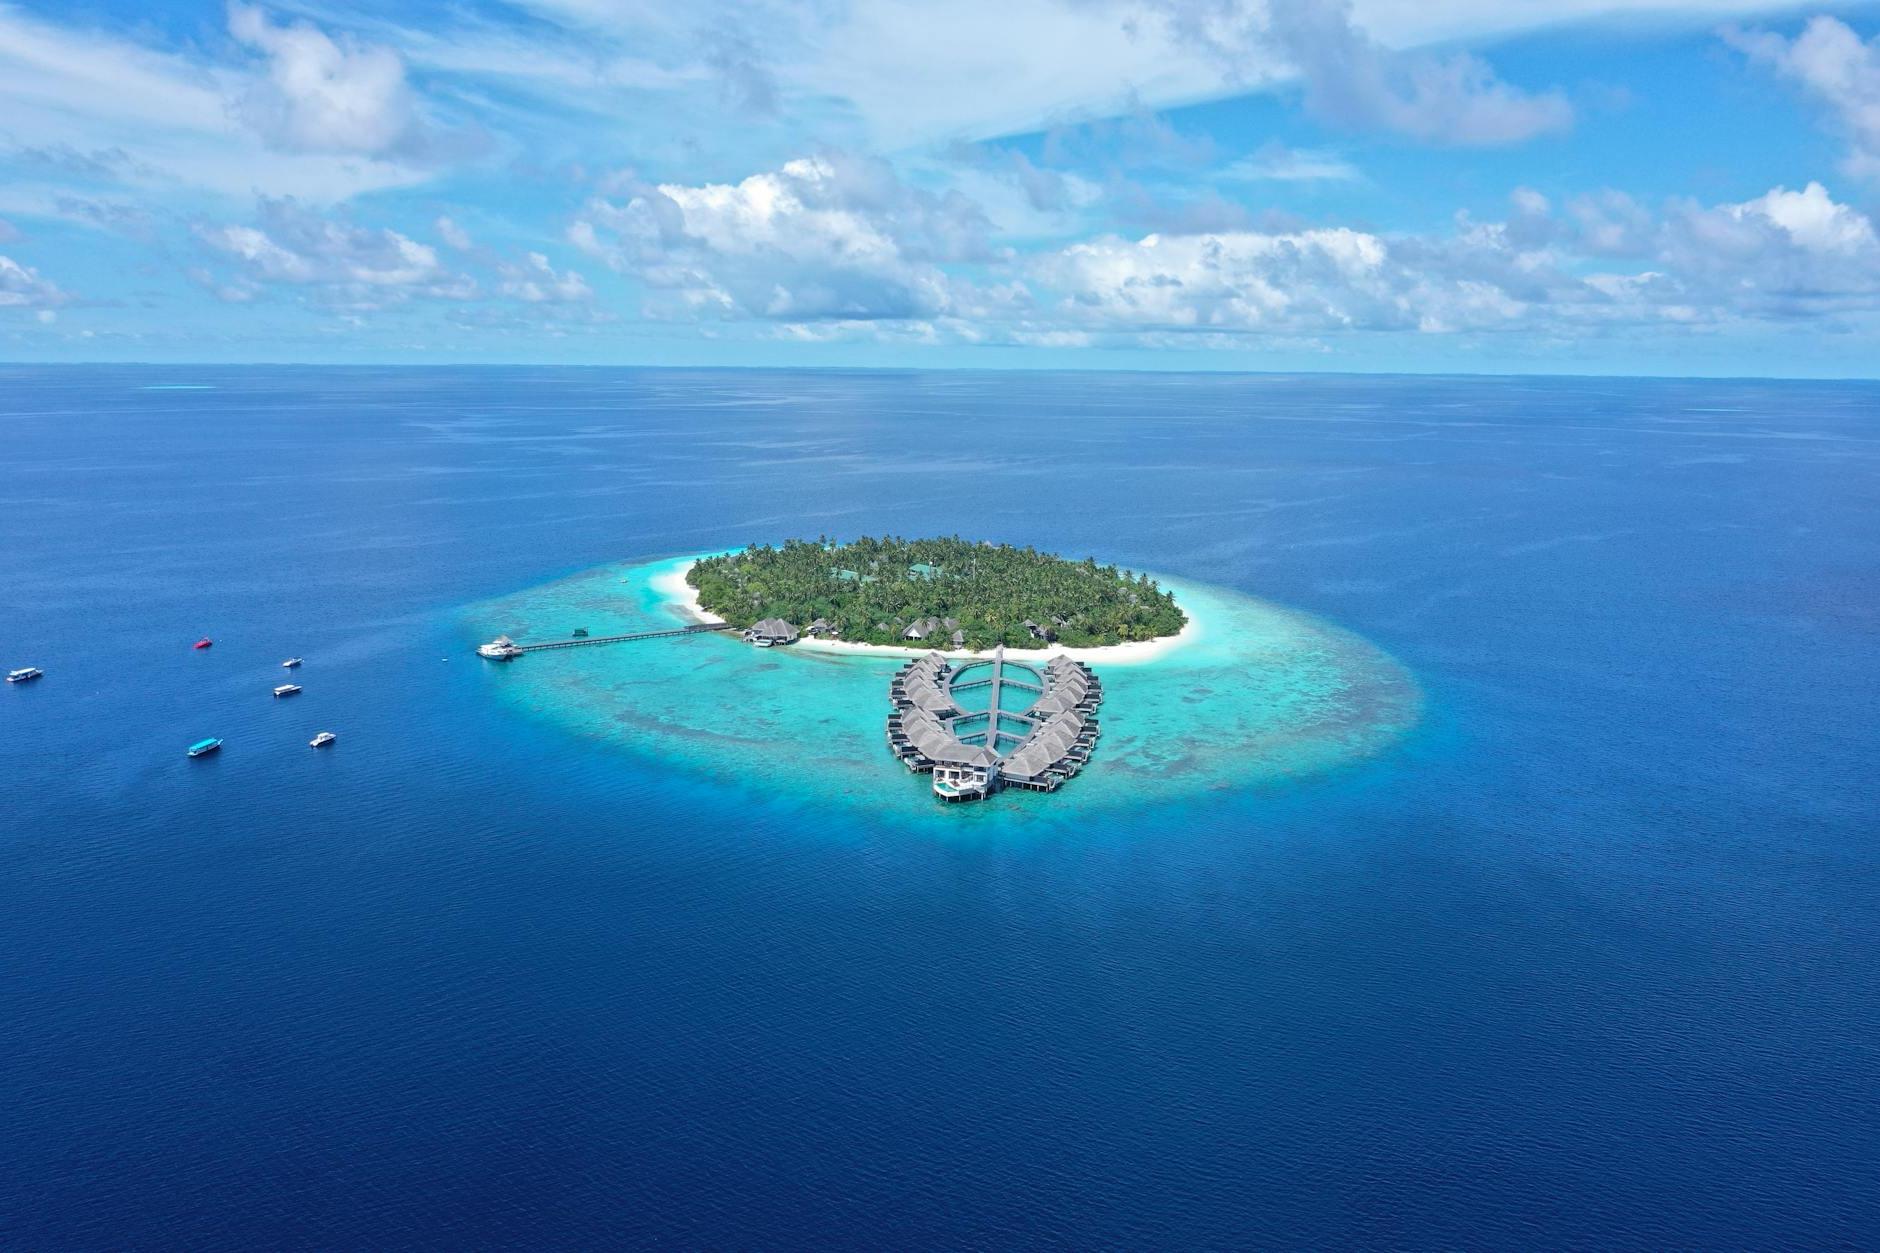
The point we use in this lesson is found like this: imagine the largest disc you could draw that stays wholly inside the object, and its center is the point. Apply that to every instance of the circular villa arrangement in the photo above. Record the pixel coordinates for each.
(980, 725)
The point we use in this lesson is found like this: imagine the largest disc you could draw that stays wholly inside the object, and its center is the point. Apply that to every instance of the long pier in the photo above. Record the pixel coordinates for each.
(699, 629)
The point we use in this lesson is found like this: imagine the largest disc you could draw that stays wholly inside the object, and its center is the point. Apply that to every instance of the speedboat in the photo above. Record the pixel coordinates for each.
(24, 673)
(287, 689)
(203, 747)
(322, 740)
(292, 663)
(204, 642)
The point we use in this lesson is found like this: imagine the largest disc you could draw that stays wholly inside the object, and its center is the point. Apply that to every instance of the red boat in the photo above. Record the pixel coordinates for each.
(204, 642)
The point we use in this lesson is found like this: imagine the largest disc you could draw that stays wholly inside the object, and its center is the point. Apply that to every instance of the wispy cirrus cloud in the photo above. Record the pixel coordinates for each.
(94, 104)
(1831, 63)
(1276, 163)
(1349, 79)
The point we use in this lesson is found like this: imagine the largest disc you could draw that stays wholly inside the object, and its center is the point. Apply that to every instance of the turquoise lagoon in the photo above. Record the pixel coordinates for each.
(1256, 693)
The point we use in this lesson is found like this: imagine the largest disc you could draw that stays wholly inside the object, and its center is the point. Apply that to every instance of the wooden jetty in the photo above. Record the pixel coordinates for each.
(504, 647)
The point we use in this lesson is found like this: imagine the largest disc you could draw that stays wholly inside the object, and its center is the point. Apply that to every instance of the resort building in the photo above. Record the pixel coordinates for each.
(921, 628)
(502, 648)
(981, 725)
(769, 633)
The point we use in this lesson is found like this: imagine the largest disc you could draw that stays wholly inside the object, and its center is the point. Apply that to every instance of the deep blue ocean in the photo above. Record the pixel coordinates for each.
(1592, 959)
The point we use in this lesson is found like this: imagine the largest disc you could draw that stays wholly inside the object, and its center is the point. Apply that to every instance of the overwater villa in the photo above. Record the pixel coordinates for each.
(769, 633)
(981, 725)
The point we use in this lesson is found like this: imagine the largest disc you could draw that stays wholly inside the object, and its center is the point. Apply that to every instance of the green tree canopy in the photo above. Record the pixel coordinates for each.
(871, 590)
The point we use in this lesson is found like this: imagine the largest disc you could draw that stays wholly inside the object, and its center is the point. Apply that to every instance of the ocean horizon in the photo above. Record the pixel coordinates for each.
(1524, 899)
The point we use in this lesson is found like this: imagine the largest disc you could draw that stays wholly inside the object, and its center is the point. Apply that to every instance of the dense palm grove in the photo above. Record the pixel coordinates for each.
(872, 591)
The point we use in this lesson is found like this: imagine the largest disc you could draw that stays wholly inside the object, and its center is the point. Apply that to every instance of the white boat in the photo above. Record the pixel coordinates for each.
(287, 689)
(24, 673)
(292, 663)
(502, 648)
(322, 740)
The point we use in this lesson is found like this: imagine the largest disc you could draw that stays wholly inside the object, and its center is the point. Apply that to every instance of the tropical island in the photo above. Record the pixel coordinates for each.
(946, 592)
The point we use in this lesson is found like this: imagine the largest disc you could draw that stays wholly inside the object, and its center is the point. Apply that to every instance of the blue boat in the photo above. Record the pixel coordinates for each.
(201, 747)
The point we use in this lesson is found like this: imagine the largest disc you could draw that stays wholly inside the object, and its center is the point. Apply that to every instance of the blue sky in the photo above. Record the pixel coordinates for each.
(1425, 185)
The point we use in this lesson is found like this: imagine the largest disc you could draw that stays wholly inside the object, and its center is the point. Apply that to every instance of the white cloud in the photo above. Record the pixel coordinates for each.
(1233, 280)
(1832, 64)
(534, 281)
(1785, 255)
(832, 237)
(833, 243)
(319, 95)
(345, 263)
(1812, 220)
(22, 288)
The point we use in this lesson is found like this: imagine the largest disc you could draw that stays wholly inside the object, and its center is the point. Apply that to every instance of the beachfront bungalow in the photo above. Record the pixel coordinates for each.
(819, 628)
(769, 633)
(921, 628)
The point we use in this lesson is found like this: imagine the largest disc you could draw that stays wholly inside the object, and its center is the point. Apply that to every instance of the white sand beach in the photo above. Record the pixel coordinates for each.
(683, 596)
(672, 586)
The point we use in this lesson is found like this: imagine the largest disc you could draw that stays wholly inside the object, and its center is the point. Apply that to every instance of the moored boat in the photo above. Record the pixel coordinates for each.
(287, 689)
(580, 633)
(322, 740)
(292, 663)
(23, 674)
(204, 642)
(201, 747)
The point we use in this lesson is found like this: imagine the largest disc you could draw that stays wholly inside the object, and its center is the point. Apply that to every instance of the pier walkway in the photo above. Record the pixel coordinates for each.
(699, 629)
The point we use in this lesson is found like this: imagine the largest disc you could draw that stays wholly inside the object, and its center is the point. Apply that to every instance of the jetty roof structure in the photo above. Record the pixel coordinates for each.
(971, 752)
